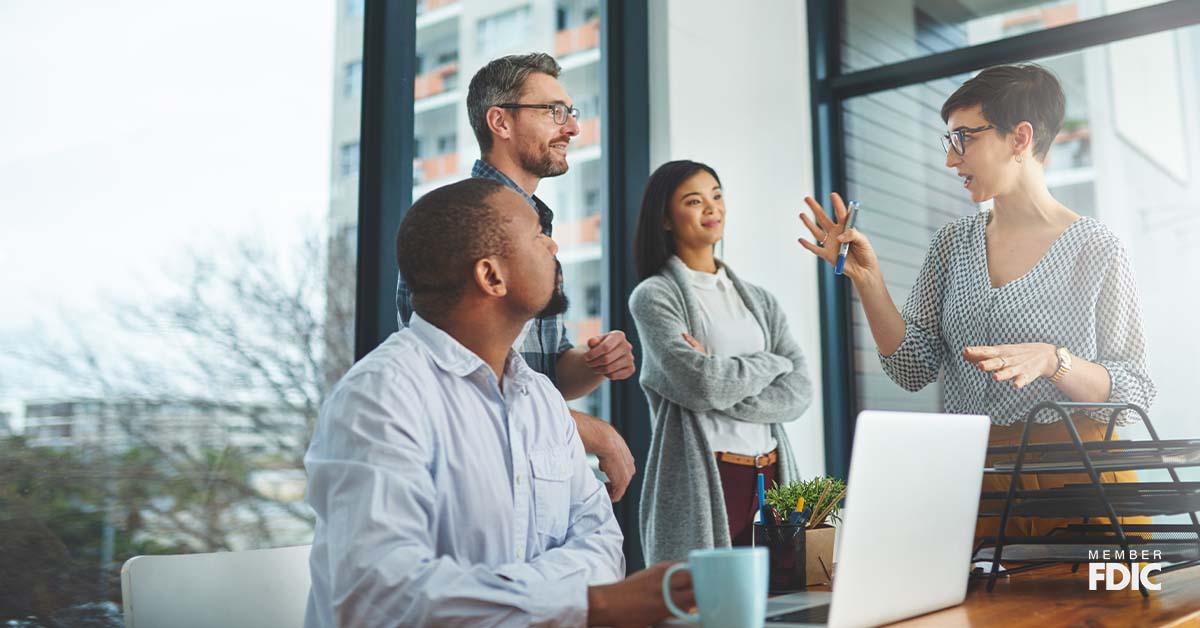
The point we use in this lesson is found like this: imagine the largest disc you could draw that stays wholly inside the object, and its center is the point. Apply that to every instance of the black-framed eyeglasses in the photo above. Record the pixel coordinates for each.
(558, 110)
(957, 139)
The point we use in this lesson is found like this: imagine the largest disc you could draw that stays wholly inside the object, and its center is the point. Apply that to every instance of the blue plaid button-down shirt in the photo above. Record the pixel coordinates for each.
(546, 338)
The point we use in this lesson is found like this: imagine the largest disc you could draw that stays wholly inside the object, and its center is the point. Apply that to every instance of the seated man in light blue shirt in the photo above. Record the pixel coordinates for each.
(449, 483)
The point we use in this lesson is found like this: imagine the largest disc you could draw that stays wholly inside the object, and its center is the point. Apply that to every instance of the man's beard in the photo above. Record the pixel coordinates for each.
(558, 302)
(543, 164)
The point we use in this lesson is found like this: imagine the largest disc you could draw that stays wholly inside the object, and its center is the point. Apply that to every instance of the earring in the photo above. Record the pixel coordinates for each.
(1018, 159)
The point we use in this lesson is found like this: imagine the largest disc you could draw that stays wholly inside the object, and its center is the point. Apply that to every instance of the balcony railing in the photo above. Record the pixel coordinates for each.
(434, 168)
(576, 232)
(436, 81)
(581, 330)
(589, 133)
(1049, 17)
(425, 6)
(1072, 149)
(583, 37)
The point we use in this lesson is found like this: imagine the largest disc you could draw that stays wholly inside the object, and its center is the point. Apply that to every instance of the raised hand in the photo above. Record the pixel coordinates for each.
(829, 236)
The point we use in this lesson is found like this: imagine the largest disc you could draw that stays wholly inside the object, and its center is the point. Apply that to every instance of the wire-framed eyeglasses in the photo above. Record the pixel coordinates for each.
(957, 139)
(558, 110)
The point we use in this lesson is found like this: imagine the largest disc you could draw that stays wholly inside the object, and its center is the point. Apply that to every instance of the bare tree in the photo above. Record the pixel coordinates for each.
(205, 390)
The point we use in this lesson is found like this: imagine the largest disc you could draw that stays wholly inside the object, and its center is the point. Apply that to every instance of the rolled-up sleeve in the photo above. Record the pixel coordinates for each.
(918, 359)
(371, 483)
(1120, 338)
(564, 343)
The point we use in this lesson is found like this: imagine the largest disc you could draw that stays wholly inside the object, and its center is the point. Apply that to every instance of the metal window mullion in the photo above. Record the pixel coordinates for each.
(385, 160)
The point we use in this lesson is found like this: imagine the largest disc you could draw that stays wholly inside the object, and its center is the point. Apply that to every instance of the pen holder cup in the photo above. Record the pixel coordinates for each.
(787, 563)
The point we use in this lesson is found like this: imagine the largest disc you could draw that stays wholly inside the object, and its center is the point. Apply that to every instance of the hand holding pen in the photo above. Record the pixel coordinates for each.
(839, 239)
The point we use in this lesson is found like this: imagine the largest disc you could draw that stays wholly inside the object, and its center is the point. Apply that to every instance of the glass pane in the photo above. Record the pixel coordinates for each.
(878, 33)
(179, 254)
(454, 40)
(1124, 156)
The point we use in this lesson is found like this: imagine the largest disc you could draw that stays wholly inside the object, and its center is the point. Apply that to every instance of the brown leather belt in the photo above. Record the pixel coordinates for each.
(758, 462)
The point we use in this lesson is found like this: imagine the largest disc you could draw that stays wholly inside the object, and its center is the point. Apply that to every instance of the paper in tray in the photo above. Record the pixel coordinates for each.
(1150, 503)
(1103, 460)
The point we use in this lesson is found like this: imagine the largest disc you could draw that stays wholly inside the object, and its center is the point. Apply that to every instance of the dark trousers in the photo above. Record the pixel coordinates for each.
(740, 485)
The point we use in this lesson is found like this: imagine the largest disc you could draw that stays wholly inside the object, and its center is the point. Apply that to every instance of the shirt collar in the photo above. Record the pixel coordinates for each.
(487, 171)
(703, 280)
(451, 356)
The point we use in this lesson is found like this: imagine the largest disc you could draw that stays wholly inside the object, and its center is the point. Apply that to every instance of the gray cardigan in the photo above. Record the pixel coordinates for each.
(683, 506)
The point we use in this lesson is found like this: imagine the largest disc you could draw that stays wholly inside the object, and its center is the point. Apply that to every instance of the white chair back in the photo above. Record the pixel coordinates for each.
(251, 589)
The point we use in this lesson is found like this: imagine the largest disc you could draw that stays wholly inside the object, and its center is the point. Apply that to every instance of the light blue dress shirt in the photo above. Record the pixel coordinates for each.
(444, 499)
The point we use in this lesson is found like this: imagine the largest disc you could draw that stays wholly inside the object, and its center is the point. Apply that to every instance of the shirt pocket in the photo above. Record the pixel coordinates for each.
(551, 470)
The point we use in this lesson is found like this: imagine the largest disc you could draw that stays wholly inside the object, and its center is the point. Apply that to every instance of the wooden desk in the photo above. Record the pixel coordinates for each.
(1053, 596)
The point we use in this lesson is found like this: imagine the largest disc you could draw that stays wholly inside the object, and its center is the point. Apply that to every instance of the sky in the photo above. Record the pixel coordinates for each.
(135, 131)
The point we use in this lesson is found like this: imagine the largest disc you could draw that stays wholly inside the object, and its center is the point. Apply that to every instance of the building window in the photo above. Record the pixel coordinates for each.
(348, 160)
(352, 80)
(502, 30)
(355, 8)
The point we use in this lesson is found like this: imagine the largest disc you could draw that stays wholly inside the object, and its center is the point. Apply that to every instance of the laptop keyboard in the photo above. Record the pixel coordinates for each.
(811, 615)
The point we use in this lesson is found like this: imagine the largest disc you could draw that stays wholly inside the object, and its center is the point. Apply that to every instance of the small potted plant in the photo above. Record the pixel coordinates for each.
(821, 498)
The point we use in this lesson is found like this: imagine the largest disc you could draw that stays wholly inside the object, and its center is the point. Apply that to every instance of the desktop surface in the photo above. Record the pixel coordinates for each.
(1053, 596)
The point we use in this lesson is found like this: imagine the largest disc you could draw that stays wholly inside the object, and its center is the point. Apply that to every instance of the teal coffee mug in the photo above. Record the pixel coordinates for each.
(730, 586)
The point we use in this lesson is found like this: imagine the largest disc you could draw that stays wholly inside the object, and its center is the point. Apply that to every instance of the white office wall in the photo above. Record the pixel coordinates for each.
(729, 87)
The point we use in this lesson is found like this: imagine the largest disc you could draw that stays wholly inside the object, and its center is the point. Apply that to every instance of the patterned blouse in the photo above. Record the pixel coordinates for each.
(1080, 295)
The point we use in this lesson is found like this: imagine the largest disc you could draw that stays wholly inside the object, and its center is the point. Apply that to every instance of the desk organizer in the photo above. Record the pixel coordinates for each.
(1179, 544)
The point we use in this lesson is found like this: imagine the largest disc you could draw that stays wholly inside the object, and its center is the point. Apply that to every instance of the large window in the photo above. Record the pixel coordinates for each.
(877, 33)
(1125, 156)
(569, 30)
(179, 283)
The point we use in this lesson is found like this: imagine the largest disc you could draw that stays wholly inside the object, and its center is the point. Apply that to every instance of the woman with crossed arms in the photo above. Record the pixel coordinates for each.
(720, 370)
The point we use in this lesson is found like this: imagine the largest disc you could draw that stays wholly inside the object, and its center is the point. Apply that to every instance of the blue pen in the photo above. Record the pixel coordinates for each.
(762, 499)
(851, 215)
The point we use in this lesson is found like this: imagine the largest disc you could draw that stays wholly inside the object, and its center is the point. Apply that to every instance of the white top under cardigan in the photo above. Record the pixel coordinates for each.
(727, 328)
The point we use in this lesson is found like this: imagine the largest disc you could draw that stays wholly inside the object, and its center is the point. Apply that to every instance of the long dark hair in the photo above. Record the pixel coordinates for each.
(652, 244)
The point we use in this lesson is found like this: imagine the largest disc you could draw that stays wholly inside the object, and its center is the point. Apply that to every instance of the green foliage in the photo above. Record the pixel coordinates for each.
(821, 494)
(55, 504)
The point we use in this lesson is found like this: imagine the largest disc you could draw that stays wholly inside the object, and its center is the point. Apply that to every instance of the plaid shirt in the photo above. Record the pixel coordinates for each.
(546, 338)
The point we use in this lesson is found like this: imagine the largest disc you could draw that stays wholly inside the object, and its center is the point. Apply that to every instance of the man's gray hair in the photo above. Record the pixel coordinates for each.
(501, 81)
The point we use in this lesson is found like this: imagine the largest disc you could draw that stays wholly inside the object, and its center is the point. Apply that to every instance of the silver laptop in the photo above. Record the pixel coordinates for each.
(904, 544)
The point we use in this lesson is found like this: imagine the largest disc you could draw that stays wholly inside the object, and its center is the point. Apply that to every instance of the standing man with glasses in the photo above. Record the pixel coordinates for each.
(524, 120)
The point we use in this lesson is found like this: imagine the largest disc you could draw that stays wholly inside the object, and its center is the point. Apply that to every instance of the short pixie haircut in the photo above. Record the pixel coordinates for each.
(1011, 94)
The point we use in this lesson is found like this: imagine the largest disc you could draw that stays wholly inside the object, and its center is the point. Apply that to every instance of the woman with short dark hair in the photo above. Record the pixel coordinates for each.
(1023, 303)
(719, 368)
